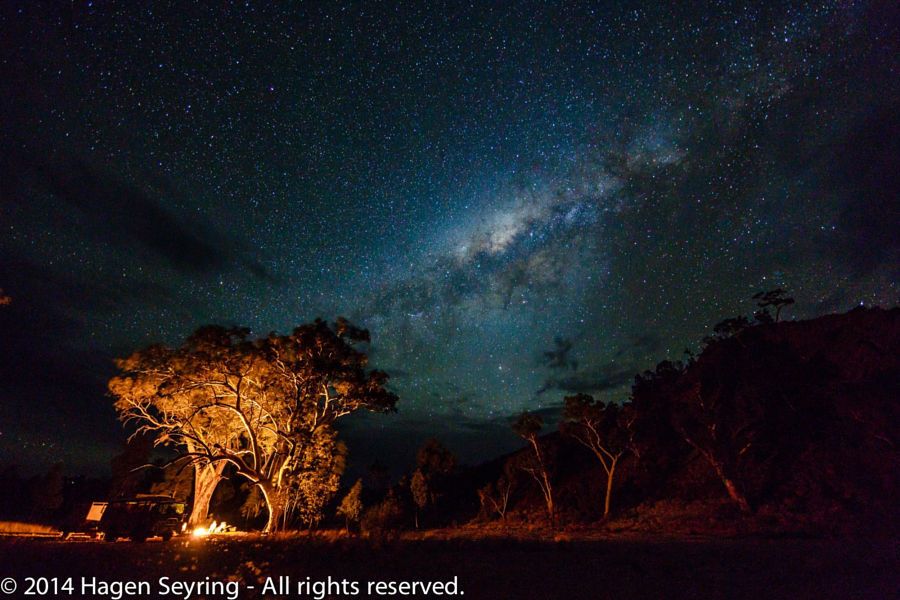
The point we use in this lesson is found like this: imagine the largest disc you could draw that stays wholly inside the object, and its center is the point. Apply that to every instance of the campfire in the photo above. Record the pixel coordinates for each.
(214, 527)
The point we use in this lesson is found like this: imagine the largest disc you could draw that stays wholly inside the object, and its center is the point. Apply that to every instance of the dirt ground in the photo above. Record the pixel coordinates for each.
(488, 569)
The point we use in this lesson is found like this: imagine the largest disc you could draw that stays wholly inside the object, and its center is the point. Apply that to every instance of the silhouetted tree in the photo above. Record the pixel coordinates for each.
(528, 426)
(47, 491)
(378, 482)
(763, 316)
(737, 407)
(175, 482)
(435, 463)
(434, 460)
(728, 328)
(713, 429)
(595, 426)
(653, 440)
(494, 497)
(383, 521)
(789, 416)
(776, 298)
(132, 467)
(704, 419)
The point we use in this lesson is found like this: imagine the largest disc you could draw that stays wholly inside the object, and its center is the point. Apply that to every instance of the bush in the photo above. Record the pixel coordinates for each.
(382, 521)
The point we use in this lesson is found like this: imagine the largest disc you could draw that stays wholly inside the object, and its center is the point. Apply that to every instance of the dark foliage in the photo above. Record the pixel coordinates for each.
(793, 424)
(798, 416)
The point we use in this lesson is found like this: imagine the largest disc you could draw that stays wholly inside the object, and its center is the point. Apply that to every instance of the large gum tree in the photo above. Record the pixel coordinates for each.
(262, 405)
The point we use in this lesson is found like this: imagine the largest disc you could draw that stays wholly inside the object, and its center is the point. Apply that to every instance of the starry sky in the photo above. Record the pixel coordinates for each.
(520, 200)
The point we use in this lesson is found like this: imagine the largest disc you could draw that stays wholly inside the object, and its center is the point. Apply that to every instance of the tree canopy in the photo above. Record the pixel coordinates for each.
(264, 406)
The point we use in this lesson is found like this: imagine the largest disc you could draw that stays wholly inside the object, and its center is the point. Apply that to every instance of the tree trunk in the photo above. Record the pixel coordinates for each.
(543, 480)
(551, 510)
(206, 478)
(272, 504)
(548, 496)
(609, 483)
(731, 487)
(736, 495)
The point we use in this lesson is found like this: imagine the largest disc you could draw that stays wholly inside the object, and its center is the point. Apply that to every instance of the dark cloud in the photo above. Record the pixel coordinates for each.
(58, 291)
(131, 214)
(558, 358)
(591, 381)
(122, 214)
(105, 250)
(551, 415)
(50, 354)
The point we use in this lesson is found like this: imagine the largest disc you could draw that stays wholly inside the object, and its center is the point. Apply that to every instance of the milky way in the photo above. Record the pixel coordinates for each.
(520, 202)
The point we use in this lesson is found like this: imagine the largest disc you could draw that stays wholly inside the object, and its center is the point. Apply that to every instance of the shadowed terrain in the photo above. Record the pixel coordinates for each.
(748, 568)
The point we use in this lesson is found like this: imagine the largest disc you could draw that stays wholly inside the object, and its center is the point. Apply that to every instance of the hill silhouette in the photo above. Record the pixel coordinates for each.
(774, 428)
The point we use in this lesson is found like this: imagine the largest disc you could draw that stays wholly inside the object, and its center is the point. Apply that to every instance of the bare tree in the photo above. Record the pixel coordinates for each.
(494, 497)
(528, 426)
(595, 426)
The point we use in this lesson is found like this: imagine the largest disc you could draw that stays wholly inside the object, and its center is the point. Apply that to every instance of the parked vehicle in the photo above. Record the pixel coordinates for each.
(83, 521)
(142, 517)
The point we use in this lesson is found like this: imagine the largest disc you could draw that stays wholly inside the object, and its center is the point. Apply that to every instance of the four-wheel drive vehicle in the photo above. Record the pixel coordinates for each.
(142, 517)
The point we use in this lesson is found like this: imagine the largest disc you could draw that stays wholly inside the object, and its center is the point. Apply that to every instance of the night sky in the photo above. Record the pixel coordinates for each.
(520, 202)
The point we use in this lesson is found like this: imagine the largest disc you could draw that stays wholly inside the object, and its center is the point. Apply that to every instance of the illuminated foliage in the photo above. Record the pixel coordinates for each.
(351, 506)
(314, 478)
(264, 406)
(418, 486)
